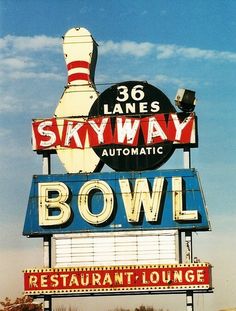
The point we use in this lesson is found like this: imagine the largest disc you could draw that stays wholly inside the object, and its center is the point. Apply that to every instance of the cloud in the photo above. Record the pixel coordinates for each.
(19, 58)
(16, 63)
(165, 51)
(9, 104)
(11, 45)
(25, 61)
(41, 43)
(126, 48)
(162, 79)
(19, 55)
(18, 75)
(4, 132)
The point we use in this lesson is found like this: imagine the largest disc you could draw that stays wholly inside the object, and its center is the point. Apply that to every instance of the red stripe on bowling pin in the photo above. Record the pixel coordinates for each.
(75, 72)
(77, 64)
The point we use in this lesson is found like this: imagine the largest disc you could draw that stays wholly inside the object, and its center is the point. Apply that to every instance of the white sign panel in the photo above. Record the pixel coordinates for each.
(117, 248)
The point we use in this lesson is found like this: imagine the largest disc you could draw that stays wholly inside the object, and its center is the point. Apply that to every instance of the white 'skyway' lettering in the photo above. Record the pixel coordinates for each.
(72, 133)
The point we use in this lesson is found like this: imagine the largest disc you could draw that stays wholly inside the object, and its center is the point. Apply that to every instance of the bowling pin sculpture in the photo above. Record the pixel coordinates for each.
(80, 52)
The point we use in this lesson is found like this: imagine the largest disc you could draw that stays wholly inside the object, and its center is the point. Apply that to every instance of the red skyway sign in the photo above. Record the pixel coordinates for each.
(159, 128)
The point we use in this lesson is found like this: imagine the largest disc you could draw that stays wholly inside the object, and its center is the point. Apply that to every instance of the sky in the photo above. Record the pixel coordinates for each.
(170, 44)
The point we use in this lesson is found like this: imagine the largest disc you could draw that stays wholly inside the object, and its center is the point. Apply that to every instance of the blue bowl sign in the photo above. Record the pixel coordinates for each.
(164, 199)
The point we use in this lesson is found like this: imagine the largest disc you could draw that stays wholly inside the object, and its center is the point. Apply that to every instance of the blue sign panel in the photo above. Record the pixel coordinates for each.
(115, 201)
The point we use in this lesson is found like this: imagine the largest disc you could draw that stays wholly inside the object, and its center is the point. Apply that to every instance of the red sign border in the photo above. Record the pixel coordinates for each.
(131, 288)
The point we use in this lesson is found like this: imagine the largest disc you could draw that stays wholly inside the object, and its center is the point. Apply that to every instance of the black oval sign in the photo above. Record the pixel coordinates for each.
(138, 113)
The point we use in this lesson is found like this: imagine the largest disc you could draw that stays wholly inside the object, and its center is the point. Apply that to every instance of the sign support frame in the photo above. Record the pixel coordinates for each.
(47, 244)
(188, 237)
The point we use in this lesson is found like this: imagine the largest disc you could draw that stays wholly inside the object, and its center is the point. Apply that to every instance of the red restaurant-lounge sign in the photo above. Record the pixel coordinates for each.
(82, 280)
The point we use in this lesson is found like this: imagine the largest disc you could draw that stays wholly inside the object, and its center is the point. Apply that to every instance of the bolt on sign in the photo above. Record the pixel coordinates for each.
(118, 279)
(167, 199)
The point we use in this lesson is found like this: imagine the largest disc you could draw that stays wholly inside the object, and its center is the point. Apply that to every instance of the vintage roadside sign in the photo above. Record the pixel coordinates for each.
(163, 199)
(116, 232)
(131, 126)
(118, 279)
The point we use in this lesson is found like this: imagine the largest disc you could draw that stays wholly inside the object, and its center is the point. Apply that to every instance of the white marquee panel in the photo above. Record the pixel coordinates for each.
(118, 248)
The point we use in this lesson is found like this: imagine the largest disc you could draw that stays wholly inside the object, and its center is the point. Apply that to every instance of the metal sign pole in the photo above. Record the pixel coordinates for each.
(188, 259)
(188, 238)
(187, 158)
(47, 305)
